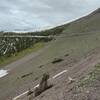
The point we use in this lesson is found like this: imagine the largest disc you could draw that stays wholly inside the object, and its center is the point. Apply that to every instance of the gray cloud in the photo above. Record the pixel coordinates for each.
(34, 14)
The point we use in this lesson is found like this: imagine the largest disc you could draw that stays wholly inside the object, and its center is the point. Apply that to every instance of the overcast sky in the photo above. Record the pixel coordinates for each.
(30, 15)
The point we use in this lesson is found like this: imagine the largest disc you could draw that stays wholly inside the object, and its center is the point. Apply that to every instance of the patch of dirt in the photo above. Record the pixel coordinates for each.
(84, 93)
(63, 90)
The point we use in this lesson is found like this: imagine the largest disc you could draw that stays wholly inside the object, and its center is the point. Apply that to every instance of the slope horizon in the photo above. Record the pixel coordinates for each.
(53, 26)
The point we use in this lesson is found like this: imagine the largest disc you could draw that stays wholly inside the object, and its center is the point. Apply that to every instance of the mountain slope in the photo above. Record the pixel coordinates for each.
(86, 24)
(75, 46)
(86, 32)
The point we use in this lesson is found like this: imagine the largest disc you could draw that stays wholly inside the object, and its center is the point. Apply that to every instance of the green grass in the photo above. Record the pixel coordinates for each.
(57, 60)
(6, 60)
(93, 76)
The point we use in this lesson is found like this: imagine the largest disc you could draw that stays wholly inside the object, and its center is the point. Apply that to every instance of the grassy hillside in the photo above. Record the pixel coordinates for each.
(75, 40)
(85, 30)
(4, 60)
(90, 23)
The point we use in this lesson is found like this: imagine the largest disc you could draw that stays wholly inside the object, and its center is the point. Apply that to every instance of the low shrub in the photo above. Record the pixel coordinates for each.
(57, 60)
(23, 76)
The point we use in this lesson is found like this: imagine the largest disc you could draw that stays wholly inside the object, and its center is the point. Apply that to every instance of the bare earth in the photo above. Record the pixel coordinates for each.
(62, 89)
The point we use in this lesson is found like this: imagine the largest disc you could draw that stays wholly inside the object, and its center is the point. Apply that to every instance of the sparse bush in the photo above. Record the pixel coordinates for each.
(57, 60)
(40, 66)
(66, 55)
(23, 76)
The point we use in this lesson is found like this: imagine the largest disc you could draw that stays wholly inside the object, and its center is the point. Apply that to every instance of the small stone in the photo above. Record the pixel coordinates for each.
(71, 80)
(87, 92)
